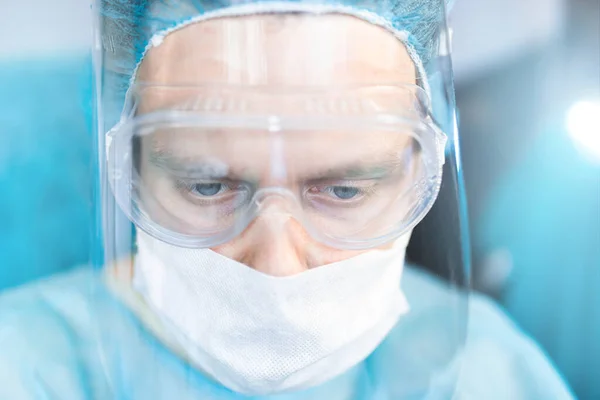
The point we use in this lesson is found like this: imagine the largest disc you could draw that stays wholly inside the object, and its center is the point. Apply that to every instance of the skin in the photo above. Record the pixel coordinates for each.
(274, 52)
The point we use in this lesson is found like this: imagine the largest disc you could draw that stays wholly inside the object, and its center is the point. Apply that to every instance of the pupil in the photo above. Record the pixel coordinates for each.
(208, 189)
(345, 192)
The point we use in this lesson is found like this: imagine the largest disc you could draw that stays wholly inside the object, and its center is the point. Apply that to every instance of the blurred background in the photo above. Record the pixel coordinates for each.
(528, 93)
(45, 137)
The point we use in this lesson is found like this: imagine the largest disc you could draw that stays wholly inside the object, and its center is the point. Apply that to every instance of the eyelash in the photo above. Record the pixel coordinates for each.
(363, 192)
(186, 188)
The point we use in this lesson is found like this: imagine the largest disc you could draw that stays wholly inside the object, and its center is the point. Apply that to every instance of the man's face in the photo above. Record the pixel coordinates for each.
(341, 178)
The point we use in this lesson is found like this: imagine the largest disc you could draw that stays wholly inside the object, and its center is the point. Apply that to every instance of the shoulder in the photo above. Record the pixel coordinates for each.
(499, 360)
(47, 339)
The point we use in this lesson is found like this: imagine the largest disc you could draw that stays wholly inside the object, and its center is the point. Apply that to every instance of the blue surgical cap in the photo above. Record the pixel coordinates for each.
(131, 27)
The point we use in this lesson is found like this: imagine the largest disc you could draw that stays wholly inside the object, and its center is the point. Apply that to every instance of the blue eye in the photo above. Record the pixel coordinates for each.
(207, 189)
(345, 192)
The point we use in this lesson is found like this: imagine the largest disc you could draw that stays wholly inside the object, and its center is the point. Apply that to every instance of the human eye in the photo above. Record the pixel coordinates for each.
(207, 189)
(341, 193)
(208, 192)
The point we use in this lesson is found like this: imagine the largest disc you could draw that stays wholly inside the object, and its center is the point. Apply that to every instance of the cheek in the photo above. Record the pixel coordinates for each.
(324, 255)
(230, 250)
(318, 254)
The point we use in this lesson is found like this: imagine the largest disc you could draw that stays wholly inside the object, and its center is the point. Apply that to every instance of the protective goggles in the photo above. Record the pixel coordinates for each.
(194, 166)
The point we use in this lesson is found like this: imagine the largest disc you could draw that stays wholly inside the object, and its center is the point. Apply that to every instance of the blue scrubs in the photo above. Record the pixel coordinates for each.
(52, 333)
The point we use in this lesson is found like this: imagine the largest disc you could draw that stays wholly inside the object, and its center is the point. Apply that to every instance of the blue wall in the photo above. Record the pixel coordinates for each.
(45, 166)
(546, 212)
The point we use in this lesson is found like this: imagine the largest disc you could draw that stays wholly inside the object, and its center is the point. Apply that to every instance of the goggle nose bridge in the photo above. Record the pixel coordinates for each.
(262, 197)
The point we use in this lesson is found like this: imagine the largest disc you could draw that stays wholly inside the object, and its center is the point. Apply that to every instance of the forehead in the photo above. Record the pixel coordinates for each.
(273, 51)
(282, 49)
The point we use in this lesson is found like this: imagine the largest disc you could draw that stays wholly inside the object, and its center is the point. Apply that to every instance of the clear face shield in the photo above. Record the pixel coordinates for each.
(280, 203)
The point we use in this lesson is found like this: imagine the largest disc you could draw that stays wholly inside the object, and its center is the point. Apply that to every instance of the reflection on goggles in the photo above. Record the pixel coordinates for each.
(209, 191)
(197, 179)
(410, 101)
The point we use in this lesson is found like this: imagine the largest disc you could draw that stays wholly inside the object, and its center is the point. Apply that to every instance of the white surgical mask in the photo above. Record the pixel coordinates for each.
(259, 334)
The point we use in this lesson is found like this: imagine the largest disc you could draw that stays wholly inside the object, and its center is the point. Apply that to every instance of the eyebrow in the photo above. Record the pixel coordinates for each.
(183, 167)
(207, 169)
(391, 163)
(353, 171)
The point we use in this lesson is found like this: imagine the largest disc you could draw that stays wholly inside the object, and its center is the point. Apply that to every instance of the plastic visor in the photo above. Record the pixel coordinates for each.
(216, 119)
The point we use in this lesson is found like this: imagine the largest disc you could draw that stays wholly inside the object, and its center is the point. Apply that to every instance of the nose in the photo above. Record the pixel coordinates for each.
(274, 243)
(277, 246)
